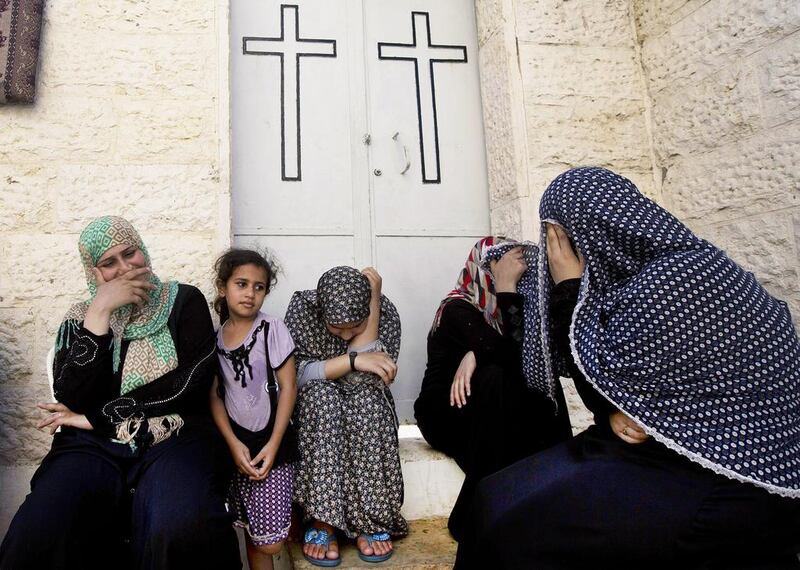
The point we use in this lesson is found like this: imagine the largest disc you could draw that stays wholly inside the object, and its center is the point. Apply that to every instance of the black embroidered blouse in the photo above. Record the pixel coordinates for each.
(85, 382)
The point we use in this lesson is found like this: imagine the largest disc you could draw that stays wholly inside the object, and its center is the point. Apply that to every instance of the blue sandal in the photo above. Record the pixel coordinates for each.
(323, 537)
(375, 537)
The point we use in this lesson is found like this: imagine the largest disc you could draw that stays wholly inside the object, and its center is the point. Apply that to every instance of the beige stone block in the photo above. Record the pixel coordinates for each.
(582, 131)
(723, 107)
(529, 218)
(172, 66)
(578, 22)
(654, 17)
(506, 219)
(151, 16)
(752, 176)
(492, 16)
(715, 35)
(17, 333)
(57, 129)
(25, 200)
(48, 319)
(186, 258)
(505, 154)
(540, 178)
(763, 244)
(153, 197)
(166, 131)
(778, 69)
(67, 14)
(579, 416)
(40, 268)
(561, 70)
(796, 224)
(22, 443)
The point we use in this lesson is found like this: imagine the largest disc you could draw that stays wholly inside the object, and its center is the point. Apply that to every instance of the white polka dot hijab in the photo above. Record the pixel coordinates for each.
(675, 334)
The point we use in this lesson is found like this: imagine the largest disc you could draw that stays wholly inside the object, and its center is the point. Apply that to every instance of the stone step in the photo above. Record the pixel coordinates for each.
(428, 546)
(432, 480)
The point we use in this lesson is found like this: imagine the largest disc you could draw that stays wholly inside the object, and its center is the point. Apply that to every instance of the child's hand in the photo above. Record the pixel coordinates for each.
(241, 457)
(266, 457)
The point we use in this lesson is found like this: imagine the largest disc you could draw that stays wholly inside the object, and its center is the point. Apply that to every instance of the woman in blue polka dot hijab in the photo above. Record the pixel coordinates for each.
(692, 371)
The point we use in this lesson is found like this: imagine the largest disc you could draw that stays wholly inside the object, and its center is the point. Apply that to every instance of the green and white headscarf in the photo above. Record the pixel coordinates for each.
(151, 352)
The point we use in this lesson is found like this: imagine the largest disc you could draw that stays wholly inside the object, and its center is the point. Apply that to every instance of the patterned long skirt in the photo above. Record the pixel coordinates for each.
(263, 508)
(349, 471)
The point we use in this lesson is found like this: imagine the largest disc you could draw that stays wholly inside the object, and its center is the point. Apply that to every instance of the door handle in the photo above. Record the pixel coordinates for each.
(405, 158)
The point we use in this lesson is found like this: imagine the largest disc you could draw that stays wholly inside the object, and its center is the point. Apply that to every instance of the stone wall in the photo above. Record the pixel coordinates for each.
(697, 101)
(130, 119)
(724, 81)
(562, 87)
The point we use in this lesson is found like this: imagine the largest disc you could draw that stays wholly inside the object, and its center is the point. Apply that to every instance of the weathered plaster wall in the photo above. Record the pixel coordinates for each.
(130, 119)
(724, 81)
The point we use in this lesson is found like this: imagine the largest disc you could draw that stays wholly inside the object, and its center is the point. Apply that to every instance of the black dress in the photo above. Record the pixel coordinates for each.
(99, 504)
(503, 421)
(596, 500)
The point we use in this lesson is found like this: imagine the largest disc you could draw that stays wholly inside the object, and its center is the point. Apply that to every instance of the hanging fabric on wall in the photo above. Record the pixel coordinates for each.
(20, 29)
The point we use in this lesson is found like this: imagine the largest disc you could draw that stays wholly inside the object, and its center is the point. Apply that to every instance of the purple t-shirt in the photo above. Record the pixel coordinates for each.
(247, 402)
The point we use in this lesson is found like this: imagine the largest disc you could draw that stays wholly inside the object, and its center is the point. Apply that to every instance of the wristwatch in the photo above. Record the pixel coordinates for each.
(353, 355)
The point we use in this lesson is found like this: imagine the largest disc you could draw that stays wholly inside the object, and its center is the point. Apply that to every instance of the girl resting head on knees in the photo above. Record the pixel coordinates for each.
(133, 472)
(252, 402)
(692, 371)
(349, 478)
(474, 404)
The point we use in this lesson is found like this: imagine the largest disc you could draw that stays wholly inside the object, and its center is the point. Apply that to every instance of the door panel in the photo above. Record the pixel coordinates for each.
(342, 181)
(417, 274)
(292, 131)
(422, 110)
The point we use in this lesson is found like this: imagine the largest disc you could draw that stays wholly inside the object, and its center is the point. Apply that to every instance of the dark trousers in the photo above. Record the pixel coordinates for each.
(597, 500)
(502, 422)
(95, 504)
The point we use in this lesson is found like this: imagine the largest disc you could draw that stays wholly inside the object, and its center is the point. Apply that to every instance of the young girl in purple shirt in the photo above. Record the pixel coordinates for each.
(252, 402)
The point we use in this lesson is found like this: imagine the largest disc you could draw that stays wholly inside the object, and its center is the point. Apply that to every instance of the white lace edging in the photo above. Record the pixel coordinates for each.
(691, 455)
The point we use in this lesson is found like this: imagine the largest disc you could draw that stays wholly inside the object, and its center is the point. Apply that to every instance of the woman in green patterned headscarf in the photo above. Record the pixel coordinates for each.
(137, 458)
(135, 305)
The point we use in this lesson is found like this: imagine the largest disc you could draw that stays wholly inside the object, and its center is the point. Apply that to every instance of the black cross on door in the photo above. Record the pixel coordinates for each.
(422, 50)
(289, 46)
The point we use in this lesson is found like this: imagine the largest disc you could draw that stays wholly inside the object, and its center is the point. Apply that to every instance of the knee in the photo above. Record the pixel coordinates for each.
(488, 381)
(185, 522)
(269, 549)
(318, 402)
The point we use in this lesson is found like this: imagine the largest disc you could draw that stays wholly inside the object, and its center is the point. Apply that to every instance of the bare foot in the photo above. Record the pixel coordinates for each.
(317, 551)
(378, 547)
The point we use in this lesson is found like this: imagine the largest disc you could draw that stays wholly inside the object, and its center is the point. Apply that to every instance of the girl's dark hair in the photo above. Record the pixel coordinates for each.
(227, 263)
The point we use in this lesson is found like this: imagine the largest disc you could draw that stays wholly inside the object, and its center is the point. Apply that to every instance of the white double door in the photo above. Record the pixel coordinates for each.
(358, 140)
